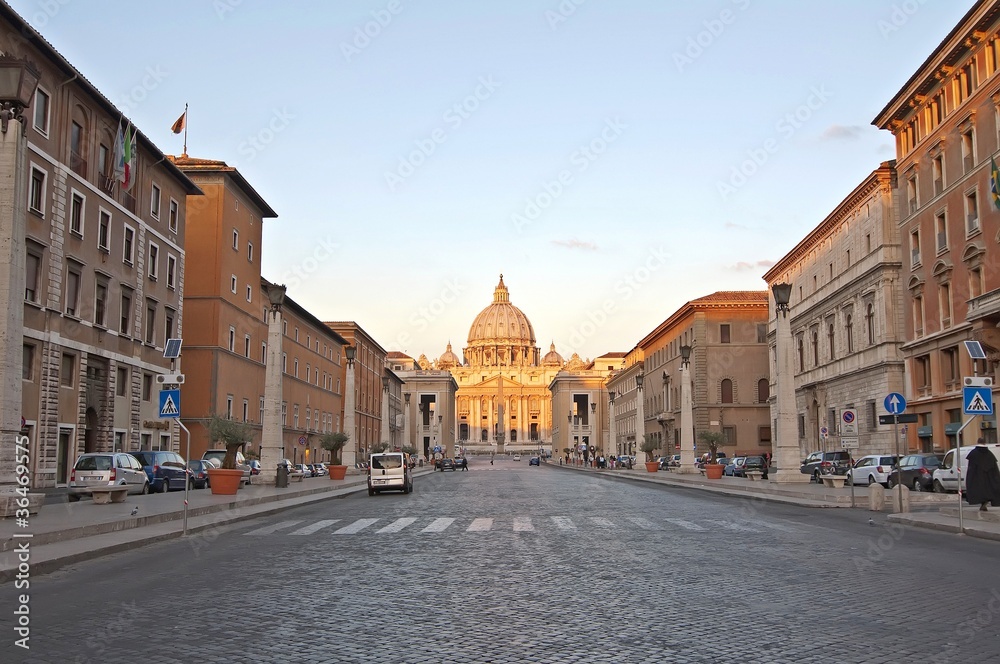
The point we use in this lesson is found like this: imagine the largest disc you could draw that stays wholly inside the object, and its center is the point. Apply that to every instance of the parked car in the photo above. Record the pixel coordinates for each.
(946, 477)
(916, 471)
(731, 467)
(751, 463)
(198, 472)
(165, 470)
(818, 464)
(322, 468)
(96, 469)
(302, 468)
(241, 462)
(872, 469)
(447, 464)
(534, 461)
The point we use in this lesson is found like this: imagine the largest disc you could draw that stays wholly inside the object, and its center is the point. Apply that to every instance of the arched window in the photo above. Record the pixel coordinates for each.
(850, 333)
(727, 391)
(870, 323)
(832, 341)
(763, 390)
(513, 435)
(815, 341)
(802, 356)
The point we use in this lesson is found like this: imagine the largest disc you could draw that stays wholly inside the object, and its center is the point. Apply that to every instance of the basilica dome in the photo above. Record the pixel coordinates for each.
(448, 359)
(501, 334)
(552, 358)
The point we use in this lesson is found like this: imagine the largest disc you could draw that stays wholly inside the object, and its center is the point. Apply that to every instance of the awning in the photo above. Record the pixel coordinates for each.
(925, 432)
(952, 428)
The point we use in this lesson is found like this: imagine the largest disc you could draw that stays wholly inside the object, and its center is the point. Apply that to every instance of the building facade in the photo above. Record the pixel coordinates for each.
(580, 410)
(846, 318)
(429, 412)
(104, 270)
(946, 124)
(369, 368)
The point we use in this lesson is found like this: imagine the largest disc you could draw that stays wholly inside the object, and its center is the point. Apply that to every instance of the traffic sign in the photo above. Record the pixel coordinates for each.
(170, 403)
(895, 403)
(823, 431)
(849, 422)
(849, 443)
(977, 400)
(302, 440)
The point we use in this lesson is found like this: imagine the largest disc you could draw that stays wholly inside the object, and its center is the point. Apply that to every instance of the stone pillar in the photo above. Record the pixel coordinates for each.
(612, 450)
(687, 421)
(640, 422)
(384, 428)
(787, 456)
(272, 428)
(349, 455)
(406, 424)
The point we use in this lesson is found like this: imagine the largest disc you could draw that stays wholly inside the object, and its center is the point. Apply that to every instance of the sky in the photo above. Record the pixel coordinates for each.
(612, 159)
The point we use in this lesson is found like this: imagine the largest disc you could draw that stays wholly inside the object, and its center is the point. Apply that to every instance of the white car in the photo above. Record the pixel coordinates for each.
(946, 477)
(872, 469)
(517, 457)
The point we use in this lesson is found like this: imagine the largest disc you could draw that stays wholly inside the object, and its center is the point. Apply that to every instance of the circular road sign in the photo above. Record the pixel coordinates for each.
(823, 431)
(848, 416)
(895, 403)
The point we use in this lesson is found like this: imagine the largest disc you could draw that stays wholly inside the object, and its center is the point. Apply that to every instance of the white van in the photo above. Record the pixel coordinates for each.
(946, 477)
(389, 471)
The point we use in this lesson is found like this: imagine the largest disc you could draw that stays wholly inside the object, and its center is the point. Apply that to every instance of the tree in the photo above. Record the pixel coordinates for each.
(378, 448)
(409, 449)
(230, 433)
(649, 445)
(334, 443)
(713, 439)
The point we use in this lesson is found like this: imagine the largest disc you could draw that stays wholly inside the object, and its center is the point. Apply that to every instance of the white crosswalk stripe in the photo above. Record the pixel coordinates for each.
(686, 524)
(438, 525)
(355, 527)
(273, 528)
(603, 522)
(397, 525)
(523, 524)
(314, 527)
(563, 523)
(645, 524)
(480, 525)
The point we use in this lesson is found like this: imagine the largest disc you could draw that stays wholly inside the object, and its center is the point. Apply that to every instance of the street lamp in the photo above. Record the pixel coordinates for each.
(787, 456)
(687, 413)
(272, 428)
(611, 424)
(640, 414)
(350, 456)
(384, 434)
(18, 80)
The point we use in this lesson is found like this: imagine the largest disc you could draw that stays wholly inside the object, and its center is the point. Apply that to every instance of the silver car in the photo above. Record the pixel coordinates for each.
(106, 469)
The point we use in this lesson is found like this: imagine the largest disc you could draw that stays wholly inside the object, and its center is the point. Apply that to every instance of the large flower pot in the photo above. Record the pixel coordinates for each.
(338, 472)
(713, 471)
(652, 466)
(225, 482)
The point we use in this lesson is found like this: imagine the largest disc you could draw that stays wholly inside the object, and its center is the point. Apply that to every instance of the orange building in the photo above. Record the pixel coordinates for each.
(369, 367)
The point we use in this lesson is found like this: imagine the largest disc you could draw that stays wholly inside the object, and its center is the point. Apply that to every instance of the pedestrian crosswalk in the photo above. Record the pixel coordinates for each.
(517, 524)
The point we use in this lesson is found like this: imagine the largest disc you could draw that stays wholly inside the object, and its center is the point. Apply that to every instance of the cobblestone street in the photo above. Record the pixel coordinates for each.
(510, 563)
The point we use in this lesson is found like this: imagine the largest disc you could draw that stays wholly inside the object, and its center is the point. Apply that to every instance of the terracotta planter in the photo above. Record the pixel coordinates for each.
(713, 471)
(224, 482)
(338, 472)
(652, 466)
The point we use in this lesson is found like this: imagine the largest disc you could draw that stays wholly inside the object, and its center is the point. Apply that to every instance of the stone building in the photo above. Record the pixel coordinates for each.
(580, 409)
(369, 368)
(846, 318)
(946, 123)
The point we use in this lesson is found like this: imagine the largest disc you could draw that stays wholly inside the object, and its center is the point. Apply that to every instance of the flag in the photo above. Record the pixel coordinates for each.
(129, 159)
(995, 183)
(118, 157)
(181, 122)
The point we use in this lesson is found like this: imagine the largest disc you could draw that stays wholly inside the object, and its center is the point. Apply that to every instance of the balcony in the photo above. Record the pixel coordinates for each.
(106, 184)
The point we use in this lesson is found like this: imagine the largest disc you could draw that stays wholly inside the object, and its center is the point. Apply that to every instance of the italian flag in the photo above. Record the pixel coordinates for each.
(129, 158)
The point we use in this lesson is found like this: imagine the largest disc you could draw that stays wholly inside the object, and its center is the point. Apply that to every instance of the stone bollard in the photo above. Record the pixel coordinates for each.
(876, 498)
(892, 500)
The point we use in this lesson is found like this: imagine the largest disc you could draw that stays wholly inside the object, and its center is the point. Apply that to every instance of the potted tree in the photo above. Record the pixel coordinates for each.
(713, 439)
(334, 443)
(649, 445)
(233, 435)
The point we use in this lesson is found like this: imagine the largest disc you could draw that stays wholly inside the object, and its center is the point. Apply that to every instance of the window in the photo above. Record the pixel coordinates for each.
(250, 251)
(154, 261)
(150, 322)
(236, 239)
(124, 326)
(918, 315)
(941, 231)
(944, 304)
(260, 410)
(911, 192)
(104, 231)
(41, 111)
(103, 166)
(937, 169)
(246, 346)
(727, 391)
(174, 214)
(831, 341)
(800, 349)
(295, 416)
(36, 192)
(232, 283)
(147, 386)
(263, 352)
(815, 347)
(763, 390)
(968, 150)
(77, 154)
(72, 296)
(32, 271)
(100, 302)
(922, 371)
(154, 202)
(724, 333)
(121, 384)
(229, 406)
(168, 323)
(66, 370)
(171, 272)
(246, 410)
(295, 369)
(915, 248)
(971, 213)
(975, 281)
(249, 294)
(232, 339)
(27, 362)
(76, 213)
(870, 323)
(949, 366)
(128, 250)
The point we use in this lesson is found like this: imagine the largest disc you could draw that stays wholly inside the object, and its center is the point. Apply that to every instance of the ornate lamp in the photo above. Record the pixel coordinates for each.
(18, 80)
(685, 355)
(782, 294)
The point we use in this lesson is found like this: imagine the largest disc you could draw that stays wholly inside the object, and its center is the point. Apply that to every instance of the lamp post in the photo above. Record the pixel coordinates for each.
(272, 428)
(18, 80)
(611, 423)
(406, 423)
(384, 433)
(687, 414)
(350, 456)
(787, 457)
(595, 443)
(640, 415)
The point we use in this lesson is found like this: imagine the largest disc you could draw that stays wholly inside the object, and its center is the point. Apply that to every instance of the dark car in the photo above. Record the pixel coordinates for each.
(818, 464)
(917, 471)
(165, 470)
(534, 461)
(198, 472)
(447, 464)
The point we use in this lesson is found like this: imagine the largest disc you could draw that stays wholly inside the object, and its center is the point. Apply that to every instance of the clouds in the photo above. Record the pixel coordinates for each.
(743, 266)
(575, 244)
(842, 133)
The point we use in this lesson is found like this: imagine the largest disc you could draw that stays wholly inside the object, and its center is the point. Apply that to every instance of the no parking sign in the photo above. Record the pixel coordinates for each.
(849, 422)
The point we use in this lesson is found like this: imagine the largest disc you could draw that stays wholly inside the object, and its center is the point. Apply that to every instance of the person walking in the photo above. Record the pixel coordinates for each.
(982, 480)
(465, 463)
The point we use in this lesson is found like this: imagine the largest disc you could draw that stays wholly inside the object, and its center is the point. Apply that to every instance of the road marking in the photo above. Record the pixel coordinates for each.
(274, 527)
(645, 524)
(313, 527)
(563, 523)
(355, 527)
(601, 521)
(397, 525)
(775, 526)
(733, 526)
(438, 525)
(480, 525)
(522, 524)
(686, 524)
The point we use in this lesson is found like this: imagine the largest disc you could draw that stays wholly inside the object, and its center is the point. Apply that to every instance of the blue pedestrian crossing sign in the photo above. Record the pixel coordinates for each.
(170, 403)
(977, 400)
(895, 403)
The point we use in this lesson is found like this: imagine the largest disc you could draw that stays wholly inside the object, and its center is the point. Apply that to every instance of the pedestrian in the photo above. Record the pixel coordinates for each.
(763, 469)
(982, 479)
(465, 463)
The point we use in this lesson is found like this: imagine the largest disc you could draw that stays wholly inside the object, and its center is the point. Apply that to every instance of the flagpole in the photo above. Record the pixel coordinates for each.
(185, 153)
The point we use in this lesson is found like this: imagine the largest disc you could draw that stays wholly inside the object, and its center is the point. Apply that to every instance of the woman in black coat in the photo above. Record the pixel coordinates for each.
(982, 480)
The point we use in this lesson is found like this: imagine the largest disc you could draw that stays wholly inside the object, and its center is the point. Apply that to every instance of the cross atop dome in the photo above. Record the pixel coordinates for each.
(501, 294)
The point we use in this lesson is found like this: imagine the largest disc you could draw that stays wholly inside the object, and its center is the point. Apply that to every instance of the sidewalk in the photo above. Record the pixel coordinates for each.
(927, 510)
